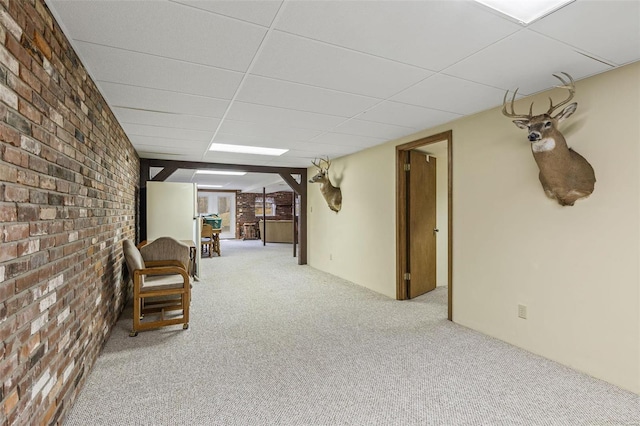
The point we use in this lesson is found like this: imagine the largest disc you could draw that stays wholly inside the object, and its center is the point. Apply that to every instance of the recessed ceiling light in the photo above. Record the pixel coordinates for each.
(245, 149)
(220, 172)
(525, 11)
(210, 186)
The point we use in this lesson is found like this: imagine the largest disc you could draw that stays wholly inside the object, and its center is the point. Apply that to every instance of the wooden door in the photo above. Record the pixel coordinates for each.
(421, 220)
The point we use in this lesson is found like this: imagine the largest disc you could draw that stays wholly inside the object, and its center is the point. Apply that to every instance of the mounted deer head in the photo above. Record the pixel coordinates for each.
(331, 194)
(565, 175)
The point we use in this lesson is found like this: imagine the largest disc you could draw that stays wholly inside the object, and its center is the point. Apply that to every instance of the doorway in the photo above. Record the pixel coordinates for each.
(221, 203)
(405, 250)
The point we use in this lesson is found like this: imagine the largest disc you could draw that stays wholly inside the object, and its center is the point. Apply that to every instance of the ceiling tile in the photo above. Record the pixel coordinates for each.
(138, 69)
(267, 91)
(178, 144)
(119, 95)
(291, 58)
(348, 140)
(525, 60)
(177, 121)
(429, 34)
(259, 12)
(169, 30)
(375, 130)
(399, 114)
(607, 29)
(242, 111)
(167, 132)
(445, 93)
(267, 131)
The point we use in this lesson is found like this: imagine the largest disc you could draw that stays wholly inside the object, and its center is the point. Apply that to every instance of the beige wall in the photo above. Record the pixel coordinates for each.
(358, 243)
(576, 268)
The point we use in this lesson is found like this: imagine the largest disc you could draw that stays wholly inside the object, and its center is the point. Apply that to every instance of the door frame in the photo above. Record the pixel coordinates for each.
(401, 214)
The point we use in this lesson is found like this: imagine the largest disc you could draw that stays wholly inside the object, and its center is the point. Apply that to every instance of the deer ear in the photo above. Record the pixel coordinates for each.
(566, 113)
(523, 124)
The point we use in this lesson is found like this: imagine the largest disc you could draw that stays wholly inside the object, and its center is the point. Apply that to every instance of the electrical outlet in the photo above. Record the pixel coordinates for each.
(330, 256)
(522, 311)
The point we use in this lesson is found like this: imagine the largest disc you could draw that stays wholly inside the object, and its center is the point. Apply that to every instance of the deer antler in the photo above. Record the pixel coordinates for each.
(316, 163)
(570, 86)
(327, 162)
(512, 113)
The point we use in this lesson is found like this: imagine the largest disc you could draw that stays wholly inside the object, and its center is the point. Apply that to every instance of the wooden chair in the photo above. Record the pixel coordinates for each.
(206, 239)
(159, 286)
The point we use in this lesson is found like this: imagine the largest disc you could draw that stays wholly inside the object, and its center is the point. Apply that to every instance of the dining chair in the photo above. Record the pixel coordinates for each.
(206, 239)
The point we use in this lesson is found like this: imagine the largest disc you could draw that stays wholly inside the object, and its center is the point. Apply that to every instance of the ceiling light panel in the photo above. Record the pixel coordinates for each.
(245, 149)
(525, 12)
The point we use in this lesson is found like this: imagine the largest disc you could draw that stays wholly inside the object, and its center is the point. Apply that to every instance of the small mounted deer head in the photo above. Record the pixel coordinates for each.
(331, 194)
(565, 175)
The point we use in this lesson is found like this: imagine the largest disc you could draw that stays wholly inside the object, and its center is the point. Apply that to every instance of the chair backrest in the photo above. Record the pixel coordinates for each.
(167, 248)
(207, 231)
(132, 257)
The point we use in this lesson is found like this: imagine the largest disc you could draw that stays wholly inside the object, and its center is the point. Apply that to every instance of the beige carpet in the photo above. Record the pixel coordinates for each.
(274, 343)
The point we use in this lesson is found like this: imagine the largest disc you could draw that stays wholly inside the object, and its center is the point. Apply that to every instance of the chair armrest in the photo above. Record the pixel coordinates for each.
(159, 263)
(163, 270)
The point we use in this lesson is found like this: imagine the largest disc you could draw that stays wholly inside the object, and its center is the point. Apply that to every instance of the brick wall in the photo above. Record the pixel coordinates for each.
(68, 182)
(246, 213)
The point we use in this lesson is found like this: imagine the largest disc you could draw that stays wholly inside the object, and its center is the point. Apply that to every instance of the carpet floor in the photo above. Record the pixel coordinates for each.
(274, 343)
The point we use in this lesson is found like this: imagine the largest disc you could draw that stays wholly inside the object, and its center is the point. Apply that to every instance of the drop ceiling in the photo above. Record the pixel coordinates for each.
(322, 78)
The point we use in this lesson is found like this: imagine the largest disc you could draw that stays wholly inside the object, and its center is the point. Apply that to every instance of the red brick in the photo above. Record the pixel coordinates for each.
(29, 112)
(8, 173)
(21, 88)
(38, 229)
(8, 213)
(18, 51)
(9, 135)
(8, 252)
(28, 78)
(37, 164)
(16, 232)
(28, 213)
(10, 402)
(29, 178)
(28, 247)
(7, 290)
(16, 193)
(15, 156)
(47, 182)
